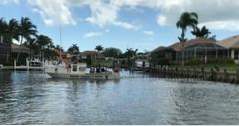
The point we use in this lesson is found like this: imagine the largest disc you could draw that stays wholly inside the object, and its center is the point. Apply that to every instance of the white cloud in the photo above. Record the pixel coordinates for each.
(53, 12)
(103, 14)
(150, 33)
(231, 25)
(221, 14)
(92, 34)
(217, 14)
(162, 20)
(125, 25)
(9, 1)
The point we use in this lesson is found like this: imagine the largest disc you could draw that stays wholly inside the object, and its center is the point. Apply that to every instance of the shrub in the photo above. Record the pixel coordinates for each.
(221, 61)
(193, 62)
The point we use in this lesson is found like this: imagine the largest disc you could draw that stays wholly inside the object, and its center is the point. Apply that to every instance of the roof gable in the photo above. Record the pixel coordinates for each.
(231, 42)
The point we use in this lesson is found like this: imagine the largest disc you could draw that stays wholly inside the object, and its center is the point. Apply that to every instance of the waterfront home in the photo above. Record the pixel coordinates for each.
(232, 45)
(19, 54)
(201, 49)
(10, 53)
(5, 52)
(91, 55)
(180, 52)
(163, 55)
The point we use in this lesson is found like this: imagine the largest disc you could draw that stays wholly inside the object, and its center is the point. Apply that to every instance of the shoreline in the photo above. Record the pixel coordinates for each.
(214, 75)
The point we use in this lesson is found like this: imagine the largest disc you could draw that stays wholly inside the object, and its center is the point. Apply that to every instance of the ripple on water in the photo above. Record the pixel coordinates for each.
(33, 98)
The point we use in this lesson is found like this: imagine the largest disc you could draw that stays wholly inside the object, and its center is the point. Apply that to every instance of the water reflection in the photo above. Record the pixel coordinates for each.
(33, 98)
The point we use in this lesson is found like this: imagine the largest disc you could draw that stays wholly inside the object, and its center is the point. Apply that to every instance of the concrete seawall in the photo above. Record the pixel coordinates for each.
(213, 74)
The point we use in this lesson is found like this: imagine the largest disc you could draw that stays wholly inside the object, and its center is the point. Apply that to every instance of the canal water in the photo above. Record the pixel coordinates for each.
(34, 98)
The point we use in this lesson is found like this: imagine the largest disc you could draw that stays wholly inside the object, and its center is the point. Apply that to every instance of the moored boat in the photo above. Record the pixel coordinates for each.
(66, 68)
(79, 71)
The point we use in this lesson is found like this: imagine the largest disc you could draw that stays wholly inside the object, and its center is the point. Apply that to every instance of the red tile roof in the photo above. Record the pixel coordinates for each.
(178, 46)
(231, 42)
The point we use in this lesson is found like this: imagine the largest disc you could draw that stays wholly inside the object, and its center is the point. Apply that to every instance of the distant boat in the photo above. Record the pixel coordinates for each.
(66, 69)
(78, 71)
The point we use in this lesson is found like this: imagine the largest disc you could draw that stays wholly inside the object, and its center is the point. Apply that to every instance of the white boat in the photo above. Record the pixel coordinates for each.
(78, 71)
(67, 69)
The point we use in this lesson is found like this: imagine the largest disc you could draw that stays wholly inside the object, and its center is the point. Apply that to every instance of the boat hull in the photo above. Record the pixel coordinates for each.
(104, 76)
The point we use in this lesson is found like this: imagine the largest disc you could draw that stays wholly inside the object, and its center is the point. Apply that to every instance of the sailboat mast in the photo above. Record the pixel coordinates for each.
(60, 38)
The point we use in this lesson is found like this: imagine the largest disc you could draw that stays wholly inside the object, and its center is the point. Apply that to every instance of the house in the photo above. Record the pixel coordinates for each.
(19, 54)
(5, 53)
(91, 55)
(180, 52)
(232, 45)
(202, 49)
(11, 52)
(163, 55)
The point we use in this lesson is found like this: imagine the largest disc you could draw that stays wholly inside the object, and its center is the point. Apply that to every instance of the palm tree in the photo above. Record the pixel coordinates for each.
(43, 45)
(3, 29)
(112, 52)
(131, 54)
(201, 33)
(12, 30)
(187, 19)
(99, 48)
(213, 38)
(27, 30)
(59, 48)
(73, 50)
(43, 41)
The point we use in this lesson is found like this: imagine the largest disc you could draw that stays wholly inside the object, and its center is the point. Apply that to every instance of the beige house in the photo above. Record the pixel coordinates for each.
(232, 45)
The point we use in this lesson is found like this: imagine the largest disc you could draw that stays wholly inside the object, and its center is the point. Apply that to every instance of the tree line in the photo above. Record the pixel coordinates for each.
(26, 33)
(107, 52)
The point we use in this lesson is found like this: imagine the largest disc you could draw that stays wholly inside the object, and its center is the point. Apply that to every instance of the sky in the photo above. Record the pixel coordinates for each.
(141, 24)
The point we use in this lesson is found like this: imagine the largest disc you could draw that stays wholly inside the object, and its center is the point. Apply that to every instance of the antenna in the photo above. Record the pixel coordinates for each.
(60, 34)
(60, 37)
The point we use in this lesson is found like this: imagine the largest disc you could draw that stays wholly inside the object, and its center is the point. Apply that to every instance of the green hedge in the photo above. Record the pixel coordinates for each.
(210, 61)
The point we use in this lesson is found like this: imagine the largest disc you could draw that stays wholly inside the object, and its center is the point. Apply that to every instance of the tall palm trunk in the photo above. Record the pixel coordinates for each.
(183, 34)
(183, 41)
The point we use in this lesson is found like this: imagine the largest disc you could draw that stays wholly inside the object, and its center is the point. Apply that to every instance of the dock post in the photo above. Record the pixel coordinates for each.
(237, 75)
(212, 77)
(202, 73)
(27, 61)
(15, 64)
(226, 77)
